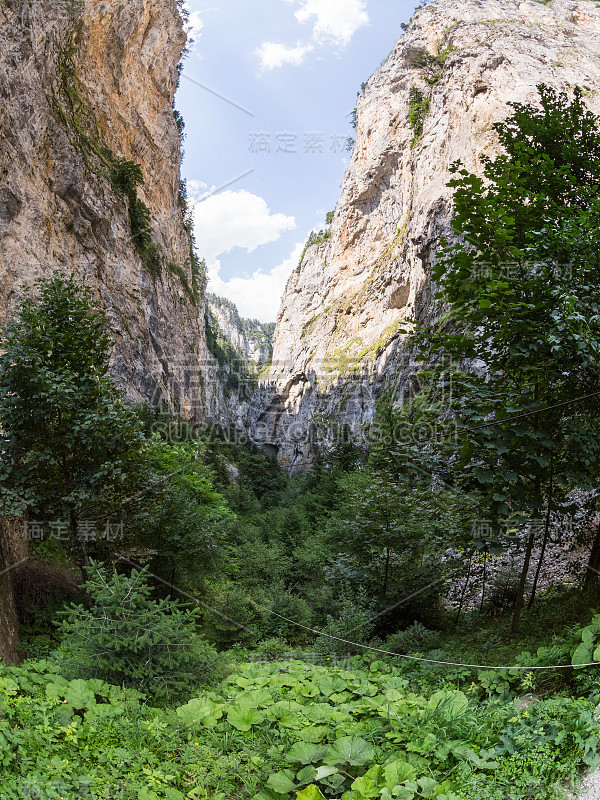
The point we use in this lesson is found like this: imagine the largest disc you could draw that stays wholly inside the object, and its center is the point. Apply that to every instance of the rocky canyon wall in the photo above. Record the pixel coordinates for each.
(86, 92)
(338, 341)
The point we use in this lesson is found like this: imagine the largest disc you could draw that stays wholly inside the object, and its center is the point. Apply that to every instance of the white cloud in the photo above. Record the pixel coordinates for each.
(241, 219)
(259, 295)
(273, 54)
(194, 23)
(236, 219)
(336, 20)
(196, 189)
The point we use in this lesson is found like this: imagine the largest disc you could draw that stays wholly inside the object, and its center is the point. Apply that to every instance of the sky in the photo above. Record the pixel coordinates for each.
(267, 93)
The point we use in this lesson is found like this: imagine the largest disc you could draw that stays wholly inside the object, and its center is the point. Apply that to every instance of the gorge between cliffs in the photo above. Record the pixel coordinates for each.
(350, 553)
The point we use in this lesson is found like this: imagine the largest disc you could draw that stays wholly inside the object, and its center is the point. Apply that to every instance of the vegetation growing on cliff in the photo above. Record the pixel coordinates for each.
(348, 632)
(357, 548)
(418, 109)
(419, 101)
(125, 176)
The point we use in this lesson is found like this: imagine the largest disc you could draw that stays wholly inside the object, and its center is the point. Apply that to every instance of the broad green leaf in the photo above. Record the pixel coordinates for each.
(379, 666)
(243, 717)
(282, 781)
(79, 695)
(330, 685)
(285, 716)
(99, 687)
(321, 712)
(103, 711)
(450, 703)
(311, 792)
(397, 772)
(582, 655)
(326, 771)
(199, 712)
(147, 794)
(306, 753)
(306, 775)
(268, 794)
(339, 698)
(308, 690)
(588, 635)
(257, 698)
(351, 750)
(393, 695)
(400, 792)
(366, 787)
(314, 733)
(427, 786)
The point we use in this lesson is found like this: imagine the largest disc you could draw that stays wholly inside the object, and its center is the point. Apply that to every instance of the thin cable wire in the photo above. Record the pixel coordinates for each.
(530, 413)
(418, 658)
(492, 422)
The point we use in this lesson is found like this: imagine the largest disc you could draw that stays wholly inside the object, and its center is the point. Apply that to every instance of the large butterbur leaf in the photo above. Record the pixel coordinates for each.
(244, 717)
(351, 750)
(449, 703)
(306, 753)
(282, 781)
(311, 792)
(582, 655)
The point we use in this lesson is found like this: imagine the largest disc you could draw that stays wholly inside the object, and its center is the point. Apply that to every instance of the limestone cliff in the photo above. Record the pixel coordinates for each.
(337, 341)
(251, 339)
(242, 349)
(86, 94)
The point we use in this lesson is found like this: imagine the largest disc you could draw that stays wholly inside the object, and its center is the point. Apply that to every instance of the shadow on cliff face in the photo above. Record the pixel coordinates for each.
(311, 412)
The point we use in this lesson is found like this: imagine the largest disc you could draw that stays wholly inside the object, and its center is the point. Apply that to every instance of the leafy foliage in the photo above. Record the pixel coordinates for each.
(521, 284)
(177, 524)
(128, 638)
(287, 730)
(418, 109)
(71, 444)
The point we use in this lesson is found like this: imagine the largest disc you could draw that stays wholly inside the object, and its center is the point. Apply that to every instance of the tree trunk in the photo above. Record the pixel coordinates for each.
(79, 545)
(386, 573)
(531, 540)
(523, 580)
(464, 591)
(13, 551)
(484, 582)
(593, 565)
(546, 537)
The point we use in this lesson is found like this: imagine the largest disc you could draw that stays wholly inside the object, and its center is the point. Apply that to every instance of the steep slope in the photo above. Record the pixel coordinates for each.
(253, 340)
(87, 92)
(337, 342)
(242, 349)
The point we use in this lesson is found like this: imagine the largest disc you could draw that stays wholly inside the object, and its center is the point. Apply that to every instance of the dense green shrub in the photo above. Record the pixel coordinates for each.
(352, 623)
(418, 109)
(128, 638)
(415, 639)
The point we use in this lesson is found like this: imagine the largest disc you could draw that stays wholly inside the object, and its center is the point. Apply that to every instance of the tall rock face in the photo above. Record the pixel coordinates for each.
(86, 93)
(251, 339)
(338, 341)
(242, 349)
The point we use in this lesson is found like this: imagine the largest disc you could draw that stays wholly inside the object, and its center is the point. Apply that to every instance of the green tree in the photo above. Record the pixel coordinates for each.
(180, 517)
(522, 286)
(128, 638)
(388, 536)
(71, 444)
